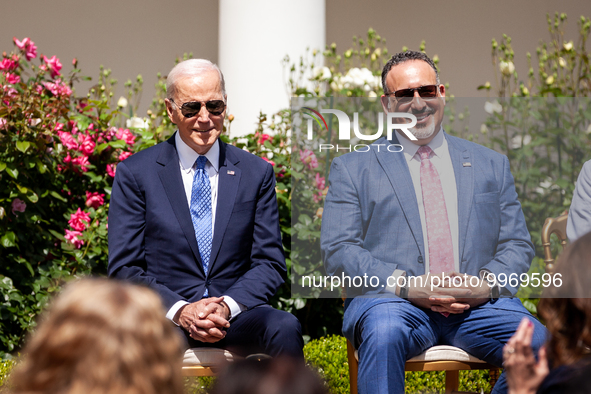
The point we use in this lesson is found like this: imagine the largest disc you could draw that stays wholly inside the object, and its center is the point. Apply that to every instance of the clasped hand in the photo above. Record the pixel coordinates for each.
(206, 320)
(446, 296)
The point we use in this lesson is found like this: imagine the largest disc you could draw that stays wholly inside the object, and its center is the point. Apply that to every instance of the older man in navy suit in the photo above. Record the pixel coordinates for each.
(442, 206)
(196, 220)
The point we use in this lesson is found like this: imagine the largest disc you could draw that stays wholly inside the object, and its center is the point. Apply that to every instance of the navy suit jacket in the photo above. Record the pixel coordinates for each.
(152, 240)
(371, 223)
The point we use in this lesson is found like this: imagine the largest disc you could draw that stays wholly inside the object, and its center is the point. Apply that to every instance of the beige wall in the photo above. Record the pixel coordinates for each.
(144, 36)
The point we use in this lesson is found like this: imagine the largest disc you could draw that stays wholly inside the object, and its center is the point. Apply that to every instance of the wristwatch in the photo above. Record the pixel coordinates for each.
(404, 290)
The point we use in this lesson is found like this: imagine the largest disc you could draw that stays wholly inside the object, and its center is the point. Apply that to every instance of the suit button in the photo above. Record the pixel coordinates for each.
(420, 259)
(208, 282)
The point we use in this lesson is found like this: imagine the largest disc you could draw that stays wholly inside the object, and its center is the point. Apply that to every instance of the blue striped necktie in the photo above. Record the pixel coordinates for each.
(201, 215)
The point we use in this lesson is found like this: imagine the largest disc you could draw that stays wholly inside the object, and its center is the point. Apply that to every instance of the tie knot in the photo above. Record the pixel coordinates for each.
(200, 162)
(424, 152)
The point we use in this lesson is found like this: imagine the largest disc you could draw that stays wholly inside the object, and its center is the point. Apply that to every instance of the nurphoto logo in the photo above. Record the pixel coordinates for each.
(392, 123)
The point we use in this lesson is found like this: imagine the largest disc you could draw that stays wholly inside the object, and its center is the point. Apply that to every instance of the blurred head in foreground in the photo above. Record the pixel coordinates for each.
(102, 336)
(270, 376)
(567, 308)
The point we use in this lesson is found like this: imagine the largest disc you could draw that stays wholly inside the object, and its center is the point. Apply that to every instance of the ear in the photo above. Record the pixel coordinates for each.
(169, 110)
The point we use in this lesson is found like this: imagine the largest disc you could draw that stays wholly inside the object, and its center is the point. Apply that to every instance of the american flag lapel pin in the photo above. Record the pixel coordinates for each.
(467, 164)
(231, 172)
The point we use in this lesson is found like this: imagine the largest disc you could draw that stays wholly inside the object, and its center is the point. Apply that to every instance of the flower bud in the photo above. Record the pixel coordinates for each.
(562, 62)
(568, 46)
(507, 68)
(230, 117)
(122, 103)
(550, 80)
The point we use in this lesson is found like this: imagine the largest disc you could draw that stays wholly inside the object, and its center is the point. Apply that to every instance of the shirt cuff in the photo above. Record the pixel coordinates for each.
(235, 308)
(175, 308)
(391, 284)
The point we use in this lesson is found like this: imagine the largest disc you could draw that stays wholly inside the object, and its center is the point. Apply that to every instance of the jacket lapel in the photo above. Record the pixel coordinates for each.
(170, 176)
(228, 181)
(463, 170)
(396, 169)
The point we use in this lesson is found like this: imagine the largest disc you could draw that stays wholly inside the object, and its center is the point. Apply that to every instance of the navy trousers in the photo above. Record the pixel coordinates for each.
(390, 333)
(262, 329)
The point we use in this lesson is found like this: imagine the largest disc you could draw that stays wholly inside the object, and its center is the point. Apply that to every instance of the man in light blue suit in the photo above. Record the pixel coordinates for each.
(442, 206)
(579, 214)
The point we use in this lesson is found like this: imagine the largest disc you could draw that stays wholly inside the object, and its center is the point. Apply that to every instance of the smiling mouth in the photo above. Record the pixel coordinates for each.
(422, 116)
(202, 131)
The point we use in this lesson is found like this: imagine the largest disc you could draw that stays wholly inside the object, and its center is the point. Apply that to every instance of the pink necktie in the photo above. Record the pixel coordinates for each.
(441, 256)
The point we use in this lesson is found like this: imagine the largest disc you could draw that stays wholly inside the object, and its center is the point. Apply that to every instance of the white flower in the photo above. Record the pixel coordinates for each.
(372, 94)
(359, 78)
(550, 80)
(483, 129)
(322, 73)
(562, 62)
(517, 141)
(337, 83)
(34, 122)
(493, 107)
(568, 45)
(506, 68)
(137, 123)
(545, 185)
(122, 103)
(588, 131)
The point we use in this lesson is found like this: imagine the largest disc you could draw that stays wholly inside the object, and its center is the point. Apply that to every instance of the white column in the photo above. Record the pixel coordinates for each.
(254, 37)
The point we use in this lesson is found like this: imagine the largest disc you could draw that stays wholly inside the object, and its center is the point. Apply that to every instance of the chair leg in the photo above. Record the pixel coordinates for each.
(353, 366)
(452, 381)
(493, 377)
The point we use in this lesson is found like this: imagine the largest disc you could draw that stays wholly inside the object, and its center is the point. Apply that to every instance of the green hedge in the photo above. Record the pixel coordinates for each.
(329, 356)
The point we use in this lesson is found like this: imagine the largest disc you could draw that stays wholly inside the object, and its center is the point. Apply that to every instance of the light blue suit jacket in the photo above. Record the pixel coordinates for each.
(371, 223)
(579, 214)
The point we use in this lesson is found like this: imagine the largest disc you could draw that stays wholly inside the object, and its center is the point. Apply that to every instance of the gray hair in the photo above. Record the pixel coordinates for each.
(405, 56)
(192, 68)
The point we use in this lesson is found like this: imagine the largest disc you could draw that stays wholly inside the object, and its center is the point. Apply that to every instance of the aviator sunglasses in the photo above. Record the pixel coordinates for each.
(192, 108)
(406, 95)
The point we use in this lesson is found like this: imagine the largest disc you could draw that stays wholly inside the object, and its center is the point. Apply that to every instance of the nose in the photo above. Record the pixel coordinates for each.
(417, 101)
(203, 115)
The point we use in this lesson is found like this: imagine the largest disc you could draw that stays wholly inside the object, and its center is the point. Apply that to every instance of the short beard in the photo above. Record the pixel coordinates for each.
(424, 132)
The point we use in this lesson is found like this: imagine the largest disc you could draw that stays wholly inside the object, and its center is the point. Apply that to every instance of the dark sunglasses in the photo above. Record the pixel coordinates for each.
(192, 108)
(406, 95)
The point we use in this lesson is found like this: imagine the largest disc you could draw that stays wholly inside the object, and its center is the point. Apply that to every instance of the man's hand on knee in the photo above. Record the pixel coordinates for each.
(426, 293)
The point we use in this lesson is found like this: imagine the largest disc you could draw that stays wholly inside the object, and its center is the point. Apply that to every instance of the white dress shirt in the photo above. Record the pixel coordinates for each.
(441, 160)
(187, 158)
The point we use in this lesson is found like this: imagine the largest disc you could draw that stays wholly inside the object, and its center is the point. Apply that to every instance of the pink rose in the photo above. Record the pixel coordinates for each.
(320, 182)
(124, 155)
(317, 197)
(54, 65)
(81, 161)
(28, 46)
(12, 78)
(125, 135)
(309, 159)
(2, 123)
(87, 145)
(111, 170)
(18, 205)
(265, 137)
(94, 200)
(8, 65)
(72, 237)
(58, 88)
(269, 161)
(79, 220)
(68, 140)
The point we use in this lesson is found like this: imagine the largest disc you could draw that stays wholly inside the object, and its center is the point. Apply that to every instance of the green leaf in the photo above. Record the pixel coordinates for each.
(2, 166)
(8, 240)
(101, 147)
(23, 145)
(32, 196)
(13, 172)
(118, 144)
(56, 195)
(41, 167)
